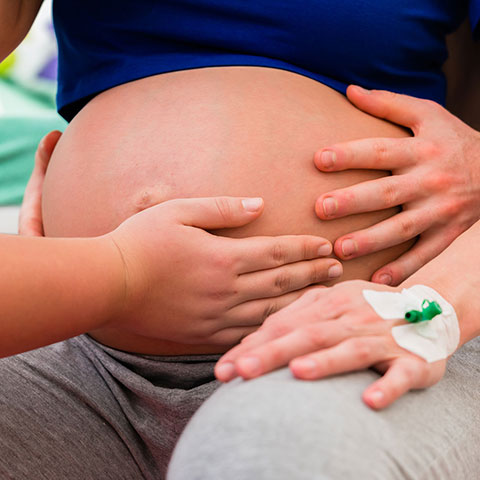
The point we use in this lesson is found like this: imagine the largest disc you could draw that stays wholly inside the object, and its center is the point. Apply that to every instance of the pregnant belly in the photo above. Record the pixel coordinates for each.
(238, 131)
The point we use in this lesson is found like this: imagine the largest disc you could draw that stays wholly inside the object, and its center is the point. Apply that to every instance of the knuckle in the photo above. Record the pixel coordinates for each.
(224, 208)
(279, 254)
(388, 101)
(407, 228)
(439, 181)
(306, 248)
(333, 307)
(363, 351)
(434, 107)
(328, 364)
(427, 149)
(452, 208)
(316, 273)
(309, 248)
(221, 294)
(389, 194)
(425, 109)
(394, 391)
(338, 299)
(283, 283)
(222, 261)
(387, 95)
(409, 374)
(380, 150)
(359, 320)
(316, 335)
(219, 291)
(346, 199)
(278, 328)
(276, 354)
(421, 376)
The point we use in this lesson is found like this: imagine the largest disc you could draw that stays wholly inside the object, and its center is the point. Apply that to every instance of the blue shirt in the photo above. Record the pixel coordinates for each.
(398, 46)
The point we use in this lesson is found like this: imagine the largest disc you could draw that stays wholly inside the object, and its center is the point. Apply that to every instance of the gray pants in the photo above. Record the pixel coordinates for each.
(279, 428)
(78, 410)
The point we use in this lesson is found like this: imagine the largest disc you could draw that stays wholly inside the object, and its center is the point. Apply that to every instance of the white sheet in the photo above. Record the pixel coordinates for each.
(9, 219)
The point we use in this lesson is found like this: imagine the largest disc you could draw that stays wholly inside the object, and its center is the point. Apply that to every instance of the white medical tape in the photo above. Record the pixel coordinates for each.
(432, 340)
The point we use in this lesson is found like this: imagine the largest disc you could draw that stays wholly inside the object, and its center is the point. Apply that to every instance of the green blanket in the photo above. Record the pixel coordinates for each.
(24, 119)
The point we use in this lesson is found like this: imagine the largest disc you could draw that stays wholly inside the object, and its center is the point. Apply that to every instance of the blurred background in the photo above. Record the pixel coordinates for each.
(27, 111)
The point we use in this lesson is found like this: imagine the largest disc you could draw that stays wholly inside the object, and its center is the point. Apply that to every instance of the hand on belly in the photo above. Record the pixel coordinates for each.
(237, 131)
(213, 290)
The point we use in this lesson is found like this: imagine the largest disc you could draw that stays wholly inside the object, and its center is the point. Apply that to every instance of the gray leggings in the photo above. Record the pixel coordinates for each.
(279, 428)
(78, 410)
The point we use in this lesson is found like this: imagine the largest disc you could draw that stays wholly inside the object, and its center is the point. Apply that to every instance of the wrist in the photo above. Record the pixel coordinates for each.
(115, 290)
(455, 293)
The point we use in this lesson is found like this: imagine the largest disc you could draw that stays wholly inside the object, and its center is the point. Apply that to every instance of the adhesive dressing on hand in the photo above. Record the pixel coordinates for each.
(432, 340)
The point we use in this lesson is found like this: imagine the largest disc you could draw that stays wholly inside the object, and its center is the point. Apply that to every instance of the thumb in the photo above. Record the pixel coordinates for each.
(30, 221)
(45, 150)
(395, 107)
(217, 212)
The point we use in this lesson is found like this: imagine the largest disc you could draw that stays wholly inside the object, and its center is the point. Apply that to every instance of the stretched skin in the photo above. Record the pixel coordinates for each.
(240, 131)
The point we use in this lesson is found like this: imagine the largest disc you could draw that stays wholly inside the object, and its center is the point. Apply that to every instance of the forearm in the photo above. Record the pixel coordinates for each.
(53, 289)
(16, 18)
(455, 274)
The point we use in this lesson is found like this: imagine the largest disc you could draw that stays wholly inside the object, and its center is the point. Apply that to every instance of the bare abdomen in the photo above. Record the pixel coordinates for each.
(238, 131)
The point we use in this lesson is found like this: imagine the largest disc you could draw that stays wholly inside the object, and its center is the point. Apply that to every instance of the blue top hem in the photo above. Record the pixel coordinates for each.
(94, 84)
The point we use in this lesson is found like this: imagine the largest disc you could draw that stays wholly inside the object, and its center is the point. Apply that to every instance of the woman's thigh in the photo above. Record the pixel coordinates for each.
(78, 410)
(276, 427)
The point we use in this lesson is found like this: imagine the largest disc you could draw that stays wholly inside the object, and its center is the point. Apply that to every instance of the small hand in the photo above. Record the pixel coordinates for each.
(189, 286)
(30, 221)
(330, 331)
(435, 177)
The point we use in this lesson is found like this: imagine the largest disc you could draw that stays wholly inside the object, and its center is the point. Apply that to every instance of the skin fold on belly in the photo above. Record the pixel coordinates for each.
(237, 131)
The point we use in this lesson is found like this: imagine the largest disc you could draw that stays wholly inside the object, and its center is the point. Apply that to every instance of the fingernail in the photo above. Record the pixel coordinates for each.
(225, 371)
(325, 250)
(306, 365)
(328, 158)
(329, 206)
(252, 204)
(385, 278)
(250, 365)
(376, 397)
(335, 271)
(349, 247)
